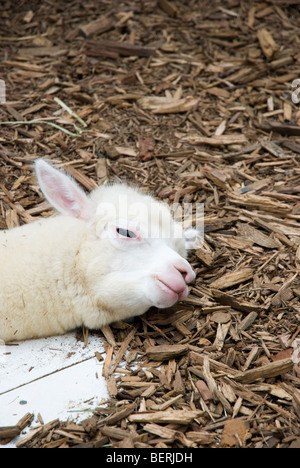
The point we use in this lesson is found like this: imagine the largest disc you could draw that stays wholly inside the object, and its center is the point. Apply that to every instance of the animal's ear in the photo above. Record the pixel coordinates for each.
(62, 192)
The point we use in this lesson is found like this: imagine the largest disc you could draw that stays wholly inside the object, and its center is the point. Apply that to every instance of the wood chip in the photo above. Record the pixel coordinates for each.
(123, 348)
(220, 317)
(165, 352)
(96, 27)
(269, 370)
(161, 105)
(235, 433)
(205, 257)
(167, 433)
(212, 385)
(10, 432)
(267, 43)
(257, 236)
(222, 140)
(95, 48)
(119, 415)
(226, 299)
(169, 416)
(232, 278)
(168, 8)
(247, 321)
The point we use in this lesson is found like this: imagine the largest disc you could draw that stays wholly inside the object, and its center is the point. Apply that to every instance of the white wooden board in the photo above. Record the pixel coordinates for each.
(57, 377)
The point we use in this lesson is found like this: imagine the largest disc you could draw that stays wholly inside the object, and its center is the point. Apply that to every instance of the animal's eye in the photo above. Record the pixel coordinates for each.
(125, 233)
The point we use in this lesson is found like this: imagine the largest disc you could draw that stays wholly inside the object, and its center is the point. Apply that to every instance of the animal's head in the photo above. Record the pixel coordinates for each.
(136, 252)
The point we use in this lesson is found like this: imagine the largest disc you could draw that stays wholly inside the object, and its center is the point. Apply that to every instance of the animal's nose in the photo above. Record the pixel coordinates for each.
(173, 281)
(186, 272)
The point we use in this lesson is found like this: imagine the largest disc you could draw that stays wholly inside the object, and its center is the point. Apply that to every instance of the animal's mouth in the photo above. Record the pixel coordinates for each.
(167, 288)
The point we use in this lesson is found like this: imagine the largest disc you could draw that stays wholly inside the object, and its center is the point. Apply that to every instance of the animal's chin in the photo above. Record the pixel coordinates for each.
(167, 296)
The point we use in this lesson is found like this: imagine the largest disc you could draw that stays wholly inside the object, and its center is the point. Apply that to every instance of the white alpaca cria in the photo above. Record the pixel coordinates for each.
(106, 257)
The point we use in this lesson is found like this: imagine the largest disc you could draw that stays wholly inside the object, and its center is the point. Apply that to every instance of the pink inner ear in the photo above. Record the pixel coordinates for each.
(60, 194)
(64, 194)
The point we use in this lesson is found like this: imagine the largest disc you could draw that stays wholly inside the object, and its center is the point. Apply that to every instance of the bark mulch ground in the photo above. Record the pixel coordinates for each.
(194, 102)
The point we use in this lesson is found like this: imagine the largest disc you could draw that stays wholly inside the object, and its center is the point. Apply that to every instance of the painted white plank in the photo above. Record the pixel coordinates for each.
(32, 359)
(71, 393)
(56, 377)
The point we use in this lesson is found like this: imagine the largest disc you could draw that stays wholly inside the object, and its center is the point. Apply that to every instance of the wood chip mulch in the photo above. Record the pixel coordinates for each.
(194, 104)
